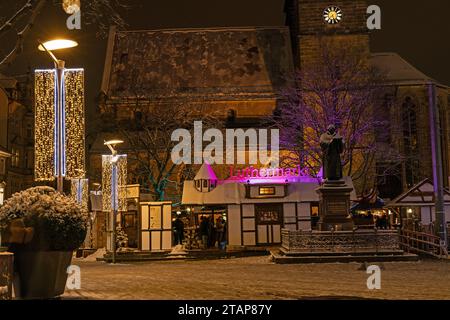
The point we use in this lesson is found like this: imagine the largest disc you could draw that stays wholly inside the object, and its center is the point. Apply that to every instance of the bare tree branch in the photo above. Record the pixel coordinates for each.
(341, 88)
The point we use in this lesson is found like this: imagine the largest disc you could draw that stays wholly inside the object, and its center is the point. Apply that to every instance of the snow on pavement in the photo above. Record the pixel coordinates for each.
(258, 278)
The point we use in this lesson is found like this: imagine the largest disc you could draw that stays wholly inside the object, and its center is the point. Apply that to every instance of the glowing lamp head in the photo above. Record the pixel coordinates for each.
(111, 145)
(57, 44)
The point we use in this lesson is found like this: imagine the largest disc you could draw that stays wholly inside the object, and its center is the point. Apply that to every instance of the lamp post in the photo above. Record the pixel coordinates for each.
(48, 47)
(114, 192)
(436, 154)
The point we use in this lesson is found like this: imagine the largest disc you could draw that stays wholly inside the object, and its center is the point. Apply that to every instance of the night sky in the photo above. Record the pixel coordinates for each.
(419, 33)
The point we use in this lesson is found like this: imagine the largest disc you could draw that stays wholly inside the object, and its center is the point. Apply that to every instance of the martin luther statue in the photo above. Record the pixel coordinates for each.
(332, 147)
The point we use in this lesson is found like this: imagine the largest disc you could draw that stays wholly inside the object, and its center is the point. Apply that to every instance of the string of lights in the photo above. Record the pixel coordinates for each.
(80, 192)
(114, 180)
(44, 141)
(73, 123)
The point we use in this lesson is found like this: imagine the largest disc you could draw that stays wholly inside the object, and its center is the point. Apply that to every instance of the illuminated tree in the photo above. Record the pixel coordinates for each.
(338, 87)
(147, 132)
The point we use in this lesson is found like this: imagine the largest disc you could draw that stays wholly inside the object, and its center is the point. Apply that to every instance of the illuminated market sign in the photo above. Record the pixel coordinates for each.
(252, 173)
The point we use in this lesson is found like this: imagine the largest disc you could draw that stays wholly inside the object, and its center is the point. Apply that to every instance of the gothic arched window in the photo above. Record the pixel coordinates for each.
(410, 141)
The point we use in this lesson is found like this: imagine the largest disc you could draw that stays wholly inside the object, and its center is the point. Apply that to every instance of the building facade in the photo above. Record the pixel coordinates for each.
(16, 134)
(238, 73)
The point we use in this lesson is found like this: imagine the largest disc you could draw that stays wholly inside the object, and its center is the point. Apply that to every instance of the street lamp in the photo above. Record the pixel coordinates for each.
(114, 175)
(74, 117)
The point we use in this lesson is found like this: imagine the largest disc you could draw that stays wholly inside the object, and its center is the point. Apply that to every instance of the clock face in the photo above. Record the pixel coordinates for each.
(332, 15)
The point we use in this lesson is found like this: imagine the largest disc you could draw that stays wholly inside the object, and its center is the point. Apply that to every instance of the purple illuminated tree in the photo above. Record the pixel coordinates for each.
(340, 87)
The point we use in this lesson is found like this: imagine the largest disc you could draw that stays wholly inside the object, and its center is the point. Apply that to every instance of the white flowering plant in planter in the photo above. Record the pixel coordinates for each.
(46, 220)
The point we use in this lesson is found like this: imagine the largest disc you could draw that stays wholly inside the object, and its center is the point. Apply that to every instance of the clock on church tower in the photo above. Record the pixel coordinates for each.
(313, 21)
(332, 15)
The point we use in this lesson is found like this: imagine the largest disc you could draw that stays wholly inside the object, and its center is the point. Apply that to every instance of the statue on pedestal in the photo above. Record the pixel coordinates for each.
(332, 146)
(334, 194)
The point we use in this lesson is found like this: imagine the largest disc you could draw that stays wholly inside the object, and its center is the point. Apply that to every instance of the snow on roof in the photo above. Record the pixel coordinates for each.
(398, 69)
(205, 173)
(222, 63)
(422, 194)
(4, 152)
(234, 193)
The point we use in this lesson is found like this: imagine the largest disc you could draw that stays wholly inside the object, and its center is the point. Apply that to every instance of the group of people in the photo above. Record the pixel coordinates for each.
(212, 233)
(381, 222)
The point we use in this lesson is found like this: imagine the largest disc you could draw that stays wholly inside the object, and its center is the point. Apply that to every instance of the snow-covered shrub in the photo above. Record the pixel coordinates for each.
(57, 221)
(121, 238)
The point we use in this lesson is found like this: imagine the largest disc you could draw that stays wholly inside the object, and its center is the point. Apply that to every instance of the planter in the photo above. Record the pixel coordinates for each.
(42, 274)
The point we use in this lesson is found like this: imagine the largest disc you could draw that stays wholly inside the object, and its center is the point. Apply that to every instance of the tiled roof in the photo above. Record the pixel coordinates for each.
(220, 62)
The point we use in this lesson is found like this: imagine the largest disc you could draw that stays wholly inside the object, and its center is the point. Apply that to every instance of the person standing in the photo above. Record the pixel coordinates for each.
(204, 231)
(211, 231)
(219, 232)
(179, 231)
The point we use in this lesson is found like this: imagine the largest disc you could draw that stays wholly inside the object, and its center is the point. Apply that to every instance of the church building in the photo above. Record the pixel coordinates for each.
(239, 71)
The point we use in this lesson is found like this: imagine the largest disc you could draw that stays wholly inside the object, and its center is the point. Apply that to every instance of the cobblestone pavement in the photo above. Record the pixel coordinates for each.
(258, 278)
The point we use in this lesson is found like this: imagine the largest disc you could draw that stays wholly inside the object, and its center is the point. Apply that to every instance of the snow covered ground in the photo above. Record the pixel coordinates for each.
(258, 278)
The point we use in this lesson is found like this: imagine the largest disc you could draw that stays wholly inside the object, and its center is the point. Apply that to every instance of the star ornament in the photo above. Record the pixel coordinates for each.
(332, 15)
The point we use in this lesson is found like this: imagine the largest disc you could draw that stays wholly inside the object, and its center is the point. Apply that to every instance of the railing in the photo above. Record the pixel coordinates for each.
(422, 243)
(373, 240)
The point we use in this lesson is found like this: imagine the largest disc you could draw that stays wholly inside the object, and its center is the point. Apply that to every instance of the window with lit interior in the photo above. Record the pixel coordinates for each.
(266, 191)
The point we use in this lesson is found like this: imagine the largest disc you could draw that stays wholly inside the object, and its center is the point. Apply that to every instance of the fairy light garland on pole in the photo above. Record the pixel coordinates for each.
(114, 191)
(59, 119)
(80, 192)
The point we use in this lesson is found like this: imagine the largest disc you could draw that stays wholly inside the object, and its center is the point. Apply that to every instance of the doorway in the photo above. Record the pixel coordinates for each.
(269, 221)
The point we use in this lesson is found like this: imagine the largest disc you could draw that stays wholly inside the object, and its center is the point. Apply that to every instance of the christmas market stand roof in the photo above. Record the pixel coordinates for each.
(4, 153)
(422, 194)
(216, 63)
(205, 173)
(233, 192)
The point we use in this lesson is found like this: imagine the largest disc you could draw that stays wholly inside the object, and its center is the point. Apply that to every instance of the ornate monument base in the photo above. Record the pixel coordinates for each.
(334, 206)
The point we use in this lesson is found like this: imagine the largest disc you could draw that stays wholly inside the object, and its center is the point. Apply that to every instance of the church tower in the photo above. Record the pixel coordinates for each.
(313, 21)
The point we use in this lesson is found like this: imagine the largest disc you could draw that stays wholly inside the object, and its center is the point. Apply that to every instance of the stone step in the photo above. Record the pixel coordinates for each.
(288, 253)
(282, 259)
(189, 255)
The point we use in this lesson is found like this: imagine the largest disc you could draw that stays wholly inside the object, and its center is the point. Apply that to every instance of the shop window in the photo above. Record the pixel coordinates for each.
(269, 214)
(266, 191)
(314, 215)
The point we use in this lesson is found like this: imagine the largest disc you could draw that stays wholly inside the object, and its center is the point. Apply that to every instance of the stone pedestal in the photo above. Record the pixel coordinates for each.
(334, 206)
